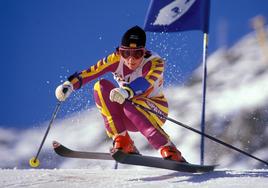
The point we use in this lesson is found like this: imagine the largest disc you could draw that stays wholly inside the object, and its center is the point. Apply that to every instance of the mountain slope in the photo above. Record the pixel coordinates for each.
(236, 105)
(237, 111)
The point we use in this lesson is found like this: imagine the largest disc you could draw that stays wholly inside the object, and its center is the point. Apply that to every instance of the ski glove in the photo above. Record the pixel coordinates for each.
(118, 95)
(64, 90)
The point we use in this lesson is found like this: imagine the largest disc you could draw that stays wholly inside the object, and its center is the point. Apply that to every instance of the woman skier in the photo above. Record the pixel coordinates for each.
(139, 74)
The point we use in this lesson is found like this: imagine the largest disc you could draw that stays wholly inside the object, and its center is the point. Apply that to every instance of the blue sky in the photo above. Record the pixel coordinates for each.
(42, 42)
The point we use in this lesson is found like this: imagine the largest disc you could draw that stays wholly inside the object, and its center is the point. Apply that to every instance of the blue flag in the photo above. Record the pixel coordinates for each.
(177, 15)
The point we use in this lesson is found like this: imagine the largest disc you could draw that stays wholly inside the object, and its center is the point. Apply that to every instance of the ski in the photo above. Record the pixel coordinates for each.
(66, 152)
(132, 159)
(157, 162)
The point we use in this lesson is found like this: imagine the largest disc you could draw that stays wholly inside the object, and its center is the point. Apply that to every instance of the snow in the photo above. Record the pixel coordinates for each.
(237, 91)
(44, 178)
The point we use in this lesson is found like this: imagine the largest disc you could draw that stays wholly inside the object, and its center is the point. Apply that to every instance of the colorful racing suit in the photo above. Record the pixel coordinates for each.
(145, 85)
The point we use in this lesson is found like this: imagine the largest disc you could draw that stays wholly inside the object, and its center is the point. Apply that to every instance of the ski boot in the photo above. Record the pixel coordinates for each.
(124, 143)
(172, 153)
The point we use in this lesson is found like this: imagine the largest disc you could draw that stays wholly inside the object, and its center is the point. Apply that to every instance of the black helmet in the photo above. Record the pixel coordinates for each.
(135, 37)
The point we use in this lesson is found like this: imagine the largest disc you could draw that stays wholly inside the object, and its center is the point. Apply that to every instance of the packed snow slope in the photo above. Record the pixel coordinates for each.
(237, 111)
(131, 178)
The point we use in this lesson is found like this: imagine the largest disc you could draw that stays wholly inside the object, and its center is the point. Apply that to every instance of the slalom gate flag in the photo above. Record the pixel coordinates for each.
(177, 15)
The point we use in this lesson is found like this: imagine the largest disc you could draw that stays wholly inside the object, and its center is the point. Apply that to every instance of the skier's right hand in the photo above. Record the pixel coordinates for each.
(64, 90)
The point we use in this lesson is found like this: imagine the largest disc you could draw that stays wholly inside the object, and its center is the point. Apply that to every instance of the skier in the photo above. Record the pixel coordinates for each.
(139, 74)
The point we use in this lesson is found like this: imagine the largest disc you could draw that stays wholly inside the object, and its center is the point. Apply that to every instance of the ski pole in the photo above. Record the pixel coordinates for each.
(34, 162)
(199, 132)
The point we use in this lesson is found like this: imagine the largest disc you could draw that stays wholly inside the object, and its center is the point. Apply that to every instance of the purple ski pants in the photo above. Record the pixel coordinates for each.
(127, 117)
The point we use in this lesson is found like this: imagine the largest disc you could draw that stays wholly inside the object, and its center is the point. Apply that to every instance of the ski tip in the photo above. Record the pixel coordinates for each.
(56, 144)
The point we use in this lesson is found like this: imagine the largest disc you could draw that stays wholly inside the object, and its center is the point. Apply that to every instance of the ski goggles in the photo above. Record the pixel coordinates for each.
(137, 53)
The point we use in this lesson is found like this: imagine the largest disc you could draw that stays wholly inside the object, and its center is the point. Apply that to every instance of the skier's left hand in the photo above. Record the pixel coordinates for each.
(118, 95)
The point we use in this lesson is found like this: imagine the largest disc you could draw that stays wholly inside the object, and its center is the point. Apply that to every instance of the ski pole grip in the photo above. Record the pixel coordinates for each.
(65, 90)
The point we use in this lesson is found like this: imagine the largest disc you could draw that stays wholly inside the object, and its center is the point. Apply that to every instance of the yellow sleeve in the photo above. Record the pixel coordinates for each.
(107, 64)
(155, 71)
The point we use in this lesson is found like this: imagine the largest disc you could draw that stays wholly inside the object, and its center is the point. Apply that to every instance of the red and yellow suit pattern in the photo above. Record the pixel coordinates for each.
(145, 83)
